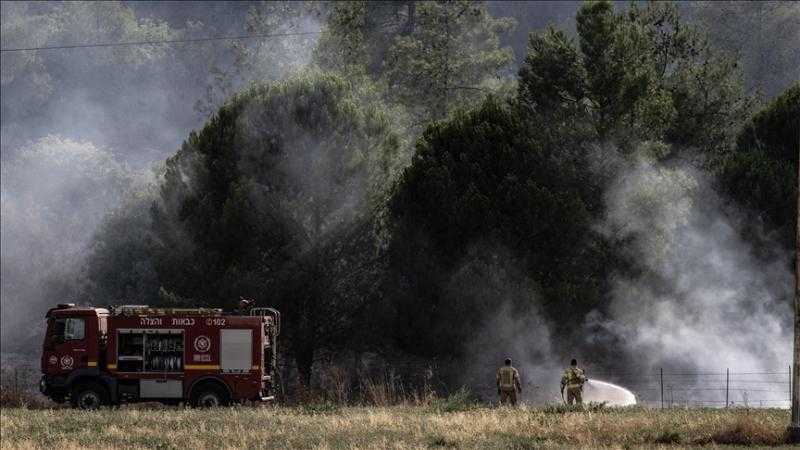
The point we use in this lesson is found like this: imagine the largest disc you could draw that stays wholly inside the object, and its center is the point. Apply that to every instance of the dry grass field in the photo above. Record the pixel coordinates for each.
(389, 427)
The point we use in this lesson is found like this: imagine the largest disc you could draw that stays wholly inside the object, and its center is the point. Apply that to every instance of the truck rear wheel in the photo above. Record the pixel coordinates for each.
(89, 396)
(209, 396)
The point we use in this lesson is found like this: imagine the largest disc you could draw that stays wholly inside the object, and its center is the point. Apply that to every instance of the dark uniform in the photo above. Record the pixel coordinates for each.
(508, 384)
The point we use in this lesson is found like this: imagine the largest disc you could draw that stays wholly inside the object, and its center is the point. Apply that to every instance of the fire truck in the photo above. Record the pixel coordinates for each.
(132, 353)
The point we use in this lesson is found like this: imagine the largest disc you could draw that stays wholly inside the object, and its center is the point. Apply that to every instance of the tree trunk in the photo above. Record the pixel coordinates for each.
(355, 380)
(304, 357)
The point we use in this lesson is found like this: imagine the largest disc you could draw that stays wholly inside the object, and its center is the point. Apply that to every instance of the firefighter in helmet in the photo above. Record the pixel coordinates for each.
(573, 380)
(508, 383)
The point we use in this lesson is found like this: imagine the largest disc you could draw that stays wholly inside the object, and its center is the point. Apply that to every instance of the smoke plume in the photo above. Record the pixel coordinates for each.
(702, 298)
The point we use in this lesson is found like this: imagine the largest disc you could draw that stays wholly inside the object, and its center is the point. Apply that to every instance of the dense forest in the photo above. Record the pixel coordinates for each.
(438, 185)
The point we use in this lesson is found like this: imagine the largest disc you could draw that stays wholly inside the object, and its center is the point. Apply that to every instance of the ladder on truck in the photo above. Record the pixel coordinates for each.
(146, 310)
(269, 312)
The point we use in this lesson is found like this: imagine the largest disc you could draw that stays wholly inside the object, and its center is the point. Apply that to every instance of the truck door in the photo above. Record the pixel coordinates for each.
(66, 345)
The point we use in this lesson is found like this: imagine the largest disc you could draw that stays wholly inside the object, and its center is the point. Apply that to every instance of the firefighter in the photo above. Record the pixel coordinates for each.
(244, 306)
(573, 379)
(508, 383)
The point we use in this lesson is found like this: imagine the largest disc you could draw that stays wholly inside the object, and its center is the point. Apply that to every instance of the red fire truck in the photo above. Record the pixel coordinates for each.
(96, 356)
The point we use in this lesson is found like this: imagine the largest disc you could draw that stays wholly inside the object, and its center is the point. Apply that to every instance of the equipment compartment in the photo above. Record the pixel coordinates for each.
(164, 352)
(150, 350)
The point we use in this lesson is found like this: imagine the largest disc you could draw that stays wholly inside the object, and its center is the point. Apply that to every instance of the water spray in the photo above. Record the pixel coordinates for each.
(609, 393)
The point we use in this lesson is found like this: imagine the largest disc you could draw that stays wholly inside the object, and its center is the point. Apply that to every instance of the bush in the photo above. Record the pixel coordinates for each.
(668, 437)
(460, 400)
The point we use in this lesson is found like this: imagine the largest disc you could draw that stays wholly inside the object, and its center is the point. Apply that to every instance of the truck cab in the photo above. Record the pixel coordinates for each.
(71, 348)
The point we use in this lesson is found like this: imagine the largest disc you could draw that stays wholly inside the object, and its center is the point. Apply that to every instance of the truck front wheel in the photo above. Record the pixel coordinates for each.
(209, 396)
(89, 396)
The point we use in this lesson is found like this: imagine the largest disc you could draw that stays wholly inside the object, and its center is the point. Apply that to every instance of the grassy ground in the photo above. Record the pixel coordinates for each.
(391, 427)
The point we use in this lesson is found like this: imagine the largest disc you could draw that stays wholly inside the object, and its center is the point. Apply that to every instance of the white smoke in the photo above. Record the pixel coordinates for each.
(55, 192)
(702, 299)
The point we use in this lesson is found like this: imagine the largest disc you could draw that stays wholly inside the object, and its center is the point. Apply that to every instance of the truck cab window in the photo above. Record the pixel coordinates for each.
(70, 329)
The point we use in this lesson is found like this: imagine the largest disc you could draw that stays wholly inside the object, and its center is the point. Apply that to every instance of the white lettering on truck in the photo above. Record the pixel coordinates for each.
(185, 321)
(150, 321)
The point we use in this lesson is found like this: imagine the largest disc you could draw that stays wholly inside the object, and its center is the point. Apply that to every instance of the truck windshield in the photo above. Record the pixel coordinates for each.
(71, 329)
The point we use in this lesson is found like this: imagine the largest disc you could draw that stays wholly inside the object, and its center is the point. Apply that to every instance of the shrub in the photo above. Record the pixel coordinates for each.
(460, 400)
(668, 437)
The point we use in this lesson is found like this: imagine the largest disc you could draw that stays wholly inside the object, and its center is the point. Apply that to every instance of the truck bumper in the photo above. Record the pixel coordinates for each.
(49, 385)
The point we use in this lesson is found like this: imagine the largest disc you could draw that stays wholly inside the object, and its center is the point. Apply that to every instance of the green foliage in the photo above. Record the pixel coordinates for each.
(639, 75)
(761, 172)
(462, 167)
(279, 167)
(430, 57)
(449, 59)
(484, 179)
(553, 75)
(775, 128)
(460, 400)
(120, 266)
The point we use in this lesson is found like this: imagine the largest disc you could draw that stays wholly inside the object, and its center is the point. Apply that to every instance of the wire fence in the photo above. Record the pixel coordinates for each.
(723, 389)
(662, 388)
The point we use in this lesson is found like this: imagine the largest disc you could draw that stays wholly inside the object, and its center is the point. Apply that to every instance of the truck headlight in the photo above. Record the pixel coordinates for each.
(43, 385)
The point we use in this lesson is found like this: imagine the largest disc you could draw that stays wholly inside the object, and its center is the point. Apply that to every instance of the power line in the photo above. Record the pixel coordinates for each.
(173, 41)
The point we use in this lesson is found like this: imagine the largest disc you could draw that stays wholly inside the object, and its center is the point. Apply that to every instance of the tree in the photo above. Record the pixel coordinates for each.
(759, 173)
(431, 57)
(358, 34)
(485, 182)
(451, 58)
(642, 74)
(119, 267)
(267, 198)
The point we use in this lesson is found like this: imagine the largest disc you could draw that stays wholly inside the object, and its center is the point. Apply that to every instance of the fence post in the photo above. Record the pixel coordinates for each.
(662, 388)
(670, 396)
(727, 384)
